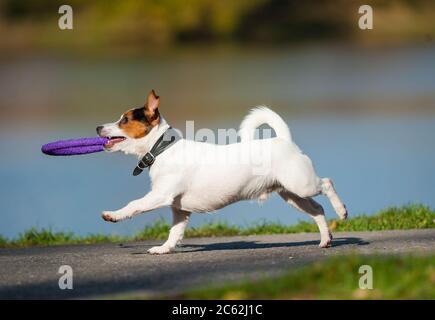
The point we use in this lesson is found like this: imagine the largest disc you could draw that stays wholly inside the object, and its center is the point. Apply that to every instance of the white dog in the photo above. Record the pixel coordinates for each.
(194, 176)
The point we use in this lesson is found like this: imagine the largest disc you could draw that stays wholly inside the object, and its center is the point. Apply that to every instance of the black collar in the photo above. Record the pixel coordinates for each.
(168, 138)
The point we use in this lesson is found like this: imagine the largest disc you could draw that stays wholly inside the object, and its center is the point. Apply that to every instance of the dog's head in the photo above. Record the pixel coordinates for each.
(132, 129)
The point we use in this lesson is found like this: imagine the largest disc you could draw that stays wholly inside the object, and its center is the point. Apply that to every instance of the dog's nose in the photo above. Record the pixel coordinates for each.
(99, 128)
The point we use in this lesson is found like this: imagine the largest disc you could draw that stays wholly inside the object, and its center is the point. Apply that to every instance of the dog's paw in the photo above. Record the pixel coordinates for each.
(342, 212)
(109, 216)
(327, 242)
(160, 250)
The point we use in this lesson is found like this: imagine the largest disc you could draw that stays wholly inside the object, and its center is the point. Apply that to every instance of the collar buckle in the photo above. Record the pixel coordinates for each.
(160, 146)
(147, 160)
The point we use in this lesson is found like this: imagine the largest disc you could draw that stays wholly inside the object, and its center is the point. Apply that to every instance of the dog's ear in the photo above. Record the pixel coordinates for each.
(153, 101)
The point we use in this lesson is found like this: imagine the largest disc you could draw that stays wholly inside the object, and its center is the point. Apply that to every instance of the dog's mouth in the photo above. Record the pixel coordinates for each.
(113, 140)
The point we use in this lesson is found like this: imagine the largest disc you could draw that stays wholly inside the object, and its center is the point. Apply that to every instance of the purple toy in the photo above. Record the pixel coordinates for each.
(74, 146)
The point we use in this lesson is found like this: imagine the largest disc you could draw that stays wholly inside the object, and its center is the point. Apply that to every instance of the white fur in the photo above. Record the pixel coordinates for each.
(201, 177)
(263, 115)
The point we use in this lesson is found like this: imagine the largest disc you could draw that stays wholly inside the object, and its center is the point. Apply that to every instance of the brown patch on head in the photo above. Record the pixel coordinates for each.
(137, 123)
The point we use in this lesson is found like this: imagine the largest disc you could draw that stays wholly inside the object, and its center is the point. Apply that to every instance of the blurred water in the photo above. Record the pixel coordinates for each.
(210, 85)
(374, 163)
(365, 117)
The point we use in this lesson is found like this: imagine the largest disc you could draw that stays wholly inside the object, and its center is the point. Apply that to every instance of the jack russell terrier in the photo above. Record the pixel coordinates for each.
(192, 176)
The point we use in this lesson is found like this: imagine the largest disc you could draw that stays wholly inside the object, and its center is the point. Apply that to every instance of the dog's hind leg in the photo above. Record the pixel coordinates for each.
(180, 220)
(327, 189)
(315, 210)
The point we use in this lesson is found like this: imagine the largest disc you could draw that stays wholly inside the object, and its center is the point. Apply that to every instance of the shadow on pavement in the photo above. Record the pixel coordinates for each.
(237, 245)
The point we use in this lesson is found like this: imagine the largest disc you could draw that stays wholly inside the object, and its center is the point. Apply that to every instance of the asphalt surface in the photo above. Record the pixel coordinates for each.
(109, 270)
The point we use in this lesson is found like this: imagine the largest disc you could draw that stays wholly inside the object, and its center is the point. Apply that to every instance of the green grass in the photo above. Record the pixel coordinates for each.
(47, 237)
(394, 218)
(404, 277)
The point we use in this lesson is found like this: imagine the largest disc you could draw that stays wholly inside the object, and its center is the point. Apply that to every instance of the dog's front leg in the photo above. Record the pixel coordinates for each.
(151, 201)
(180, 220)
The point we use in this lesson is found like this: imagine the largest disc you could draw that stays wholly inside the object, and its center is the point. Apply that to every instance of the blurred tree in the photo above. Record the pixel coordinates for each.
(154, 23)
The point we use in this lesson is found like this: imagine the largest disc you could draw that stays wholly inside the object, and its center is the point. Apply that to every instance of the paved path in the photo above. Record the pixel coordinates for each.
(111, 269)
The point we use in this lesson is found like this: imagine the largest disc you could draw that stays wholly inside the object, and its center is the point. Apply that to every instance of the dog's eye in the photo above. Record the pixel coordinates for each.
(124, 120)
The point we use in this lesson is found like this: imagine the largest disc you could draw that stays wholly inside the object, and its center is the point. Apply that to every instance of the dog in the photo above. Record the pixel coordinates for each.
(183, 179)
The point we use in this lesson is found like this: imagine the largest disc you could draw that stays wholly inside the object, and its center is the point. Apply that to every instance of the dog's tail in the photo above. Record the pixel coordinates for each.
(263, 115)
